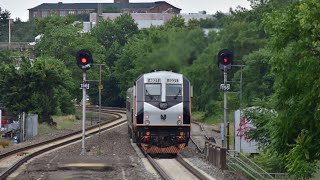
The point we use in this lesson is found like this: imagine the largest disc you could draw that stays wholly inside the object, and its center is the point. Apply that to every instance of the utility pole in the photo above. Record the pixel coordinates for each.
(10, 31)
(100, 87)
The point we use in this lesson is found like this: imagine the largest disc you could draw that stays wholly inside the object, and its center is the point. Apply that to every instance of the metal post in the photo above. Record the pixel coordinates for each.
(23, 125)
(83, 151)
(99, 106)
(240, 105)
(228, 136)
(9, 32)
(225, 105)
(0, 119)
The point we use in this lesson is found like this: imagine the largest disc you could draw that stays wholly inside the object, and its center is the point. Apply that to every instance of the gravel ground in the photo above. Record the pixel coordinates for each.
(198, 159)
(57, 133)
(115, 151)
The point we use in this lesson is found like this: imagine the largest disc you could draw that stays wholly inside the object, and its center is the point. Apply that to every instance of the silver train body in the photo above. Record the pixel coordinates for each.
(159, 111)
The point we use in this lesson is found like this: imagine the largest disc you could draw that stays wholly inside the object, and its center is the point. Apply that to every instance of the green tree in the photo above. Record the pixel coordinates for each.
(294, 43)
(158, 49)
(114, 35)
(4, 19)
(62, 41)
(175, 22)
(4, 16)
(33, 87)
(45, 25)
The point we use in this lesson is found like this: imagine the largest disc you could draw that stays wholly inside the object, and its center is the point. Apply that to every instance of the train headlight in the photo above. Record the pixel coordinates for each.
(147, 122)
(179, 122)
(146, 115)
(179, 117)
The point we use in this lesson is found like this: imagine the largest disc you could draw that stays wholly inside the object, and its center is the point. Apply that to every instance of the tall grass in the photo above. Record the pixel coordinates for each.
(64, 122)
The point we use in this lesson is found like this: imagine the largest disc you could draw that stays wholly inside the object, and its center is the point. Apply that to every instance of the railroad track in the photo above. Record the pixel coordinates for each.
(176, 168)
(12, 160)
(199, 139)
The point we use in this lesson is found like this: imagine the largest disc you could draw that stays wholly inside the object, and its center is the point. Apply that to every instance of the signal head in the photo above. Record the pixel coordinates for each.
(84, 59)
(225, 58)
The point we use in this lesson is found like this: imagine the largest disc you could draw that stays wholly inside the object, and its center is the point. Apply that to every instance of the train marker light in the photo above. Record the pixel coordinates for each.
(84, 59)
(225, 59)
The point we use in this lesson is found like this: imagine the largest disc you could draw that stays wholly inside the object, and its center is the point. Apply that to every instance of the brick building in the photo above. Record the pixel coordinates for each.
(124, 6)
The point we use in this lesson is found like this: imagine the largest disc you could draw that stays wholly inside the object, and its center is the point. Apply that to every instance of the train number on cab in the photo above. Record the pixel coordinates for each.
(172, 81)
(154, 80)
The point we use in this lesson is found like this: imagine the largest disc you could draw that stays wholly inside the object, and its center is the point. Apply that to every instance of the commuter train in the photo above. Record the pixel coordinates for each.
(159, 112)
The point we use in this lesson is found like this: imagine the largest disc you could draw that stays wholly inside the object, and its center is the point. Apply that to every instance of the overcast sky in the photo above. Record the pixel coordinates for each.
(19, 8)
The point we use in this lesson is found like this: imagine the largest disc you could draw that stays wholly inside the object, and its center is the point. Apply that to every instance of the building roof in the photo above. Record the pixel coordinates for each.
(66, 6)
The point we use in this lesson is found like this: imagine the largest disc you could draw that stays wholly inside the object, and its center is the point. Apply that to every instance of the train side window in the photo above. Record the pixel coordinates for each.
(152, 92)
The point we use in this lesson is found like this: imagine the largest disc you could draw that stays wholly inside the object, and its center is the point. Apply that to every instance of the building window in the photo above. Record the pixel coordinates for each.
(81, 12)
(35, 14)
(44, 14)
(62, 13)
(72, 12)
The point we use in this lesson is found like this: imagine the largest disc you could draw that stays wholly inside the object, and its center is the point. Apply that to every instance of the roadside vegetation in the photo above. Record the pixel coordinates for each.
(277, 41)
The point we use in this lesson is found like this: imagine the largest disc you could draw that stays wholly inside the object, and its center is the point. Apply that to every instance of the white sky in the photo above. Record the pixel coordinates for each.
(19, 8)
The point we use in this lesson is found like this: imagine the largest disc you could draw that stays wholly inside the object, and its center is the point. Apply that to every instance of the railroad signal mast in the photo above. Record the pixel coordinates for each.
(225, 62)
(84, 61)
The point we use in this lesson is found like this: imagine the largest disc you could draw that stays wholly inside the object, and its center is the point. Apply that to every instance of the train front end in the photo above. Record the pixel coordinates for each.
(162, 112)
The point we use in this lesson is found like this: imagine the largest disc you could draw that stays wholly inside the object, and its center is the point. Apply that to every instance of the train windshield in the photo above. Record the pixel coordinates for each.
(174, 90)
(153, 92)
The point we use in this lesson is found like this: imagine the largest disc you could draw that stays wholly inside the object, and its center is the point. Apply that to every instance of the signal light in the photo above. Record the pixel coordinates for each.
(225, 59)
(84, 59)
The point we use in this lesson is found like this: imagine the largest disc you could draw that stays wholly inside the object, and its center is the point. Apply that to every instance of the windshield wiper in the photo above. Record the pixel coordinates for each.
(148, 94)
(175, 97)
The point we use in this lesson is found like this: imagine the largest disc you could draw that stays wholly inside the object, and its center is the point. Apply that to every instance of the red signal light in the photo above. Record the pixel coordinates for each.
(225, 60)
(84, 59)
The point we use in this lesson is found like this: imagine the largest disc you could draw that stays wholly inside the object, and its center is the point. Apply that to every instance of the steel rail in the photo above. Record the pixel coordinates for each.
(157, 167)
(197, 146)
(15, 151)
(191, 169)
(4, 174)
(202, 129)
